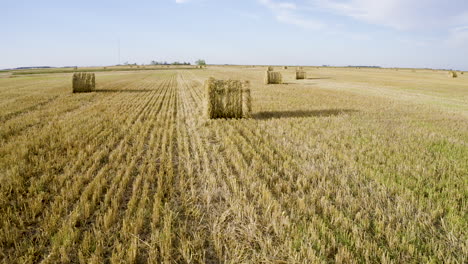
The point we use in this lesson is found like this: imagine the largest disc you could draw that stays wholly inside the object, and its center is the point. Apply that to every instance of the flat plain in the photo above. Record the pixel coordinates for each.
(347, 166)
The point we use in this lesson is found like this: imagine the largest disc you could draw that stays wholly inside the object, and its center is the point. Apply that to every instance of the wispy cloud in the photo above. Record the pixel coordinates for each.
(415, 43)
(288, 13)
(400, 14)
(458, 37)
(181, 1)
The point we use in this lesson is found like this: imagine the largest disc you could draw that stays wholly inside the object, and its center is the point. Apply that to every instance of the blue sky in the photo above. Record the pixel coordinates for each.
(390, 33)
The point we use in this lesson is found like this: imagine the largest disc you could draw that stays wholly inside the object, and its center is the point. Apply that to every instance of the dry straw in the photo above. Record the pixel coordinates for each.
(300, 75)
(83, 82)
(227, 99)
(272, 77)
(246, 100)
(453, 74)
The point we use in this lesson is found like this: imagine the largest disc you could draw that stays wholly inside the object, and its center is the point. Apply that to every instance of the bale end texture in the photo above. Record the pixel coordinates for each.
(272, 77)
(300, 75)
(84, 82)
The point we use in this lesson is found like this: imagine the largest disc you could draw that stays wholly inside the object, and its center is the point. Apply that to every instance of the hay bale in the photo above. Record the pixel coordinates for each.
(300, 75)
(300, 68)
(83, 82)
(272, 77)
(270, 68)
(246, 100)
(227, 99)
(452, 74)
(285, 67)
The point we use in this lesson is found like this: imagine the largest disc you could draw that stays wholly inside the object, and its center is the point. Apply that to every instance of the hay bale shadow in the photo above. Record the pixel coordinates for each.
(121, 91)
(299, 83)
(301, 113)
(320, 78)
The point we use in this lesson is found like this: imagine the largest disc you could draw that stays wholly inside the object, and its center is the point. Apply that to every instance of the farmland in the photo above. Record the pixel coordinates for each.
(349, 165)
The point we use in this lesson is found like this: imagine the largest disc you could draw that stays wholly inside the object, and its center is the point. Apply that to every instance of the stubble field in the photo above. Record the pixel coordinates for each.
(349, 165)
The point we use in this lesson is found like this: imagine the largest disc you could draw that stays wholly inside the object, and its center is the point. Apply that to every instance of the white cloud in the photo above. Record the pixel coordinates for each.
(458, 37)
(181, 1)
(415, 43)
(287, 12)
(278, 5)
(400, 14)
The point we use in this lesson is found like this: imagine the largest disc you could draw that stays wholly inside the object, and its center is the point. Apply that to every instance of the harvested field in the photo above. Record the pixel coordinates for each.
(355, 166)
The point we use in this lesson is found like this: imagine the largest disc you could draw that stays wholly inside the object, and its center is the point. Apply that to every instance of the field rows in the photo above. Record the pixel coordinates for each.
(133, 173)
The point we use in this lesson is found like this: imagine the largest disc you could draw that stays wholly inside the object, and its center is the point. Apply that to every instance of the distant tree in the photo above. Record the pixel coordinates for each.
(153, 62)
(200, 62)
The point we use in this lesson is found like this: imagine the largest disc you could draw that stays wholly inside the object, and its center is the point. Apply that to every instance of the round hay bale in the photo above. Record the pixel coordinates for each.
(452, 74)
(83, 82)
(227, 99)
(300, 75)
(272, 77)
(246, 100)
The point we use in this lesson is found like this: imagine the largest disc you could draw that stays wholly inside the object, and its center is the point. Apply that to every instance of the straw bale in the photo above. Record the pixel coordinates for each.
(83, 82)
